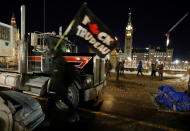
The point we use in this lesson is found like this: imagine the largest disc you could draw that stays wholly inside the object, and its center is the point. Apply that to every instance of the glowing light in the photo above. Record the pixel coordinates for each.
(176, 61)
(167, 41)
(129, 27)
(128, 34)
(116, 38)
(129, 58)
(68, 50)
(78, 58)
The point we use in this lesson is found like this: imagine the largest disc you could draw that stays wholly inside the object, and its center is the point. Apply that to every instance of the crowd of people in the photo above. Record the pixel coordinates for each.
(119, 69)
(155, 67)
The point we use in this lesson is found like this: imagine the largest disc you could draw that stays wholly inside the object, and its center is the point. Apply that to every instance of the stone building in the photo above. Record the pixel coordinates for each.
(9, 38)
(152, 54)
(134, 55)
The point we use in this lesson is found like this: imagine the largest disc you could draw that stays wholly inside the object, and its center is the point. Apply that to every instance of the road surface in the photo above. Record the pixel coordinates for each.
(126, 105)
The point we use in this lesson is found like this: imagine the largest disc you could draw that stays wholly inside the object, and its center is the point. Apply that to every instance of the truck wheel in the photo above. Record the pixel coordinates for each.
(73, 95)
(71, 100)
(18, 127)
(6, 121)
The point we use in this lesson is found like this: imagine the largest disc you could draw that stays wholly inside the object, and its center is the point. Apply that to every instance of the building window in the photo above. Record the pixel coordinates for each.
(4, 33)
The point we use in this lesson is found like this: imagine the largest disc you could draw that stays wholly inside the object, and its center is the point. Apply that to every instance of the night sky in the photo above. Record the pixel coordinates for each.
(150, 19)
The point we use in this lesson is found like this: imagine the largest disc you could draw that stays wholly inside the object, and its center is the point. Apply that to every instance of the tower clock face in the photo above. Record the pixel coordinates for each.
(128, 34)
(129, 27)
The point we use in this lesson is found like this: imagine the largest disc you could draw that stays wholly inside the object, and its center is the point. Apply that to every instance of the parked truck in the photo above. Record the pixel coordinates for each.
(26, 71)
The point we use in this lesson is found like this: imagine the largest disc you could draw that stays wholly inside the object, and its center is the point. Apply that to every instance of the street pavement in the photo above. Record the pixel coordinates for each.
(126, 104)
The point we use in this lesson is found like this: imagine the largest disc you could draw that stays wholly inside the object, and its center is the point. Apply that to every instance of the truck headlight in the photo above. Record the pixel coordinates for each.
(88, 82)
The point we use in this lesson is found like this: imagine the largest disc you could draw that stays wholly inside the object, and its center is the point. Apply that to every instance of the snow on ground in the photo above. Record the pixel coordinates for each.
(178, 80)
(179, 75)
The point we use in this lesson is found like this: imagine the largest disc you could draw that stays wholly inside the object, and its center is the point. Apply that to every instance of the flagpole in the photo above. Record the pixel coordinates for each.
(64, 34)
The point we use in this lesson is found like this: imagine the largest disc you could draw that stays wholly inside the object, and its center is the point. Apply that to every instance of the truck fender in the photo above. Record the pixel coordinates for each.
(77, 85)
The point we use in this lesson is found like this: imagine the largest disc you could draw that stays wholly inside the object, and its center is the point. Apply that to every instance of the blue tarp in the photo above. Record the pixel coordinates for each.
(177, 101)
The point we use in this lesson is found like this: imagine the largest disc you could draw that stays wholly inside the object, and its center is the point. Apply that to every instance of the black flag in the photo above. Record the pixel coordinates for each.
(88, 29)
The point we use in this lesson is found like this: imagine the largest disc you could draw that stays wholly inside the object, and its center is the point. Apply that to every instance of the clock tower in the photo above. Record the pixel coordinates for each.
(128, 38)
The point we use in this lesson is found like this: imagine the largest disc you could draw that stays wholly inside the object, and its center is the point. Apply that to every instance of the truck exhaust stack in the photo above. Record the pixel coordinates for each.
(23, 47)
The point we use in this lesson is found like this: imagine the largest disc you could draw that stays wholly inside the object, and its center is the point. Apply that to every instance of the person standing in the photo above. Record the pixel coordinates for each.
(188, 91)
(160, 71)
(122, 68)
(139, 68)
(63, 75)
(108, 67)
(153, 66)
(117, 69)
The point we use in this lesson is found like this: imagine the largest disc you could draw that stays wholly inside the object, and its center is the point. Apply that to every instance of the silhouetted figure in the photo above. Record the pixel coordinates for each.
(108, 67)
(117, 69)
(63, 75)
(160, 71)
(122, 68)
(188, 91)
(139, 68)
(153, 67)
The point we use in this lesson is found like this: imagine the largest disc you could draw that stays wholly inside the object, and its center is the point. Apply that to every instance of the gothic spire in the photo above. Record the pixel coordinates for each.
(129, 24)
(13, 20)
(129, 19)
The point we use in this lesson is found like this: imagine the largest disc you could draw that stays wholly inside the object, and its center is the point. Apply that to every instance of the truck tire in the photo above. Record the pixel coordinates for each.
(73, 95)
(71, 100)
(6, 120)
